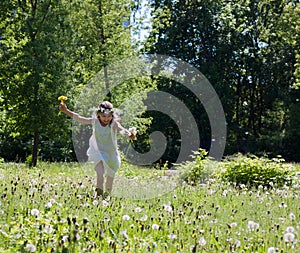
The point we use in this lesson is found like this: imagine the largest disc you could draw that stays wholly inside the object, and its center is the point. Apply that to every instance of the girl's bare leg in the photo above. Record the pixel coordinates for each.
(109, 183)
(100, 178)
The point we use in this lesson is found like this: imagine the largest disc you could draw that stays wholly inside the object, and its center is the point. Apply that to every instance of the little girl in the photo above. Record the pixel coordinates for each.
(103, 150)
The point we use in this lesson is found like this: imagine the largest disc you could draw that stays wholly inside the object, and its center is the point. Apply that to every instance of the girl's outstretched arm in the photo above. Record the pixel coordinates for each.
(63, 108)
(124, 131)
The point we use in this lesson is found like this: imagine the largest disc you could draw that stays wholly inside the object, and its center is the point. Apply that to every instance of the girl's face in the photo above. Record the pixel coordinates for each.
(104, 118)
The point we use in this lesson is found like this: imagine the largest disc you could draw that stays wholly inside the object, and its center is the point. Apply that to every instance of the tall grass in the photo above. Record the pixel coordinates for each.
(53, 208)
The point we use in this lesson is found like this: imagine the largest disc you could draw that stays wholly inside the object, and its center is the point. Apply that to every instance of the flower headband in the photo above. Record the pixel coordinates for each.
(104, 110)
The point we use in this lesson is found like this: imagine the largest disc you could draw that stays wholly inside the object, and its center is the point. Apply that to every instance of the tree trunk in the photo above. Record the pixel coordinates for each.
(35, 148)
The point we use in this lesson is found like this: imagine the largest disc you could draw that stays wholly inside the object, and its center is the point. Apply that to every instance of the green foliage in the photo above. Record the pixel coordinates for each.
(253, 171)
(193, 172)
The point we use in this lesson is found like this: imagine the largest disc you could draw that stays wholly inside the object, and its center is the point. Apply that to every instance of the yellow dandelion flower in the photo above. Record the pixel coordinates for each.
(62, 99)
(194, 235)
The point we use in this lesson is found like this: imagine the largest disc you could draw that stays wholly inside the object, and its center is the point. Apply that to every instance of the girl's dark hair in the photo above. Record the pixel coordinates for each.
(107, 106)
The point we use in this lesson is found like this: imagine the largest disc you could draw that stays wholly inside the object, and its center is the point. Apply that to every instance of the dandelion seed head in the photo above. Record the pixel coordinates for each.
(168, 208)
(155, 226)
(48, 205)
(253, 225)
(30, 247)
(124, 233)
(65, 238)
(35, 212)
(172, 236)
(48, 229)
(271, 250)
(292, 216)
(104, 203)
(289, 237)
(283, 205)
(126, 217)
(144, 218)
(233, 224)
(202, 242)
(290, 229)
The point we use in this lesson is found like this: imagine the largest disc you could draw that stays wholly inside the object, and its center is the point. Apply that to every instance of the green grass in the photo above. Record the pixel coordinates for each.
(211, 217)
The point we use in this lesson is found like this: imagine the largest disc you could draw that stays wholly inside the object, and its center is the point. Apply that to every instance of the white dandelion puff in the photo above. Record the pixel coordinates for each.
(124, 233)
(253, 225)
(105, 203)
(271, 250)
(48, 205)
(172, 236)
(48, 229)
(95, 203)
(30, 247)
(144, 218)
(292, 216)
(202, 242)
(35, 212)
(289, 237)
(155, 226)
(65, 238)
(126, 217)
(290, 229)
(168, 208)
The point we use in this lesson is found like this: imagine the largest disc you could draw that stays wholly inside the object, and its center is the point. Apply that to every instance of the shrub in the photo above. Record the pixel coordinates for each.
(256, 171)
(193, 172)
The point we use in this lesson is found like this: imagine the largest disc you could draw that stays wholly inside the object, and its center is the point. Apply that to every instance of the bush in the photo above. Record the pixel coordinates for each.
(254, 171)
(193, 172)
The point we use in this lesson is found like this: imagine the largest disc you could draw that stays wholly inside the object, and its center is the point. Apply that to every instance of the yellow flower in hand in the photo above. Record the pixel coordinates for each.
(62, 99)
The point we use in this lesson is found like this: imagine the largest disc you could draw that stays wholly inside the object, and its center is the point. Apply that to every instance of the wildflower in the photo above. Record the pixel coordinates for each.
(289, 237)
(126, 217)
(233, 225)
(138, 210)
(104, 203)
(173, 236)
(253, 225)
(155, 227)
(65, 238)
(271, 250)
(168, 208)
(48, 229)
(202, 242)
(290, 229)
(77, 237)
(30, 247)
(144, 218)
(282, 205)
(62, 99)
(292, 216)
(95, 202)
(132, 130)
(124, 233)
(48, 205)
(237, 243)
(35, 212)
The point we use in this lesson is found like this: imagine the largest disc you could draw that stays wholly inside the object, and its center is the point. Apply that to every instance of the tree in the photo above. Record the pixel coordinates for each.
(238, 46)
(32, 50)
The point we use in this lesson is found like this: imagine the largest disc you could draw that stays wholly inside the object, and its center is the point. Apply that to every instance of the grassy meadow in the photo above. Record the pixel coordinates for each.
(53, 208)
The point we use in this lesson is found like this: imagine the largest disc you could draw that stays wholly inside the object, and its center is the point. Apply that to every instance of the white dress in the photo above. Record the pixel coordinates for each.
(103, 147)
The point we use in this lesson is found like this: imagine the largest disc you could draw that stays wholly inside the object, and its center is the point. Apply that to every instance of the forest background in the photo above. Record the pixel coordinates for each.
(248, 50)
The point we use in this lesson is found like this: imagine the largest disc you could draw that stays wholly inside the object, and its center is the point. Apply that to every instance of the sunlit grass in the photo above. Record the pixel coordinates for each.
(53, 208)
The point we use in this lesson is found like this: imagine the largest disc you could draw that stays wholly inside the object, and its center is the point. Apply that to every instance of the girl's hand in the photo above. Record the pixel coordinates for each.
(132, 132)
(132, 136)
(63, 107)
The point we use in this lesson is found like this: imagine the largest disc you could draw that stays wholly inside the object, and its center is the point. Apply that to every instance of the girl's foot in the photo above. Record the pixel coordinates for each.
(99, 192)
